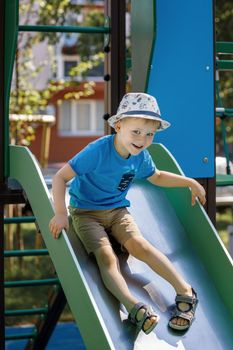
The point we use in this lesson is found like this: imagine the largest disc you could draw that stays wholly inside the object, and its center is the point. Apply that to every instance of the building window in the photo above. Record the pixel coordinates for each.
(83, 117)
(68, 65)
(64, 64)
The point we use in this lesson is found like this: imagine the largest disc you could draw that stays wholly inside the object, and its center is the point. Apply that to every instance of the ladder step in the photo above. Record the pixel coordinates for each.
(223, 112)
(27, 283)
(224, 64)
(18, 336)
(35, 311)
(224, 180)
(64, 29)
(224, 47)
(19, 220)
(27, 252)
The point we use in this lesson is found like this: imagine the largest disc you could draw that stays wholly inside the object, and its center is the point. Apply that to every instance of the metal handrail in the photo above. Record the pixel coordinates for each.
(31, 283)
(27, 252)
(64, 29)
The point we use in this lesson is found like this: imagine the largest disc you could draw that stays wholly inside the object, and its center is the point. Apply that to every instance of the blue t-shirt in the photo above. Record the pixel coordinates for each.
(104, 177)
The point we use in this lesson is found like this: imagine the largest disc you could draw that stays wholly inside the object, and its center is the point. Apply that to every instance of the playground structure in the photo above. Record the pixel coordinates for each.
(185, 234)
(46, 121)
(224, 49)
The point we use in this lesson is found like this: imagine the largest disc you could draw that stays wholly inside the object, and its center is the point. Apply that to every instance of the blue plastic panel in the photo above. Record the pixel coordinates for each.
(181, 77)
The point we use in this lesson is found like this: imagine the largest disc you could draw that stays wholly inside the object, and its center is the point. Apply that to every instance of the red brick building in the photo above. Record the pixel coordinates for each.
(78, 122)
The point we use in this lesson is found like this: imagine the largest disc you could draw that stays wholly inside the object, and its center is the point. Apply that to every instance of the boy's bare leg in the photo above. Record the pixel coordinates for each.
(115, 283)
(158, 262)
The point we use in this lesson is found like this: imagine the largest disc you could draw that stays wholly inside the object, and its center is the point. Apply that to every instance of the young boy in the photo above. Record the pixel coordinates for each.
(102, 174)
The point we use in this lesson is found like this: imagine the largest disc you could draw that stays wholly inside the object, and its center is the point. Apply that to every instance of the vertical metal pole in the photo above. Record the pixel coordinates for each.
(2, 156)
(230, 246)
(8, 37)
(2, 303)
(2, 177)
(210, 188)
(211, 182)
(115, 72)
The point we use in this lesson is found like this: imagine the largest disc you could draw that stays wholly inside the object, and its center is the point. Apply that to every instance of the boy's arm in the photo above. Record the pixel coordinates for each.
(60, 219)
(167, 179)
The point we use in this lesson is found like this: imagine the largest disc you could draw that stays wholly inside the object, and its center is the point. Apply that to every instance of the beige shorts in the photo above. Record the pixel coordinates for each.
(94, 227)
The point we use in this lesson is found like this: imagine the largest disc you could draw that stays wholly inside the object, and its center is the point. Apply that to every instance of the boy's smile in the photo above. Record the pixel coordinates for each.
(137, 147)
(134, 135)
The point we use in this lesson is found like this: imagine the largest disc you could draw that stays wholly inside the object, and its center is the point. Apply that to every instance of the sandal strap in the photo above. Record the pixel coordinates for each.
(133, 313)
(190, 300)
(148, 312)
(189, 316)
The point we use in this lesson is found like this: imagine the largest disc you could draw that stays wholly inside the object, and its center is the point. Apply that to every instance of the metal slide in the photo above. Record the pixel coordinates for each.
(182, 232)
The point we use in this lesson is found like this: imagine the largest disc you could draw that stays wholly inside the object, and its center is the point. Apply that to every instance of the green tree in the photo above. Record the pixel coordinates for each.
(25, 99)
(224, 20)
(224, 32)
(90, 45)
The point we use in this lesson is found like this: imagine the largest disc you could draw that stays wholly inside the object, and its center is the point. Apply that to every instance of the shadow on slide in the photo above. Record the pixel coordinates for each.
(168, 221)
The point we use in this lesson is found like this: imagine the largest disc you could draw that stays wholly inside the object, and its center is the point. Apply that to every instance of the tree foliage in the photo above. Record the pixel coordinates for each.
(224, 20)
(25, 97)
(92, 44)
(224, 32)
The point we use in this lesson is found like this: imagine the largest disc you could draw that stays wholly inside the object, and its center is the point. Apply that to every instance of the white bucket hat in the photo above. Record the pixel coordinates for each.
(139, 105)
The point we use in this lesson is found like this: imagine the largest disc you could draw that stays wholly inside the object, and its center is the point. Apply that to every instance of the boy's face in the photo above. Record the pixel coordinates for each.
(134, 135)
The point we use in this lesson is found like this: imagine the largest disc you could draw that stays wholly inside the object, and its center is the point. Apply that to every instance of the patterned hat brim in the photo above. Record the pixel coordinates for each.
(164, 124)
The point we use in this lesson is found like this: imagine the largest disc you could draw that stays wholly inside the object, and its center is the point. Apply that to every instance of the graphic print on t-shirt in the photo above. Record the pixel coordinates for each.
(125, 181)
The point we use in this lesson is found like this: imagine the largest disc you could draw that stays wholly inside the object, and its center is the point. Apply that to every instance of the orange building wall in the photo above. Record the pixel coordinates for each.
(61, 148)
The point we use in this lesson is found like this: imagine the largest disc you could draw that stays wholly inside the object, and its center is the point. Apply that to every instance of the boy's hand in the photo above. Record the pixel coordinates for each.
(57, 224)
(198, 191)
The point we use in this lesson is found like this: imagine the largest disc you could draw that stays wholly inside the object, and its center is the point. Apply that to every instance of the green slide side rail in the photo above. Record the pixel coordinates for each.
(25, 169)
(199, 229)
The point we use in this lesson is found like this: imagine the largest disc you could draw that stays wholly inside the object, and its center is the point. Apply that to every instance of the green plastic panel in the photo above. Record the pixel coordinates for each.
(182, 232)
(142, 41)
(199, 228)
(25, 169)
